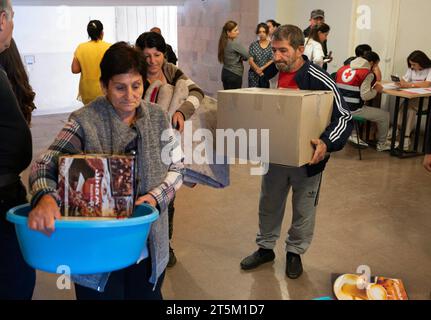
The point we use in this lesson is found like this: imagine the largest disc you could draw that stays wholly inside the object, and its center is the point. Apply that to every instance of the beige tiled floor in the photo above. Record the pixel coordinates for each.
(373, 212)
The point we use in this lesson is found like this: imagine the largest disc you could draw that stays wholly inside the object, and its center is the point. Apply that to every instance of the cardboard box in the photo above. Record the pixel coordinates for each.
(96, 185)
(293, 118)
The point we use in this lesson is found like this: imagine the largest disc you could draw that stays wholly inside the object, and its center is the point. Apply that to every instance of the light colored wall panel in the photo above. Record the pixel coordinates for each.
(338, 14)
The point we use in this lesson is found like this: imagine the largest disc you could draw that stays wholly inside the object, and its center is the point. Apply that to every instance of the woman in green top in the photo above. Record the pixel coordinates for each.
(231, 54)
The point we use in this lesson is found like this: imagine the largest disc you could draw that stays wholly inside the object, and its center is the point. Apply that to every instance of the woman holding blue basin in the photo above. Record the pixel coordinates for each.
(117, 123)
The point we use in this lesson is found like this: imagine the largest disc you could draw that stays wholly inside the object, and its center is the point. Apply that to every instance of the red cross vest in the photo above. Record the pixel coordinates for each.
(349, 82)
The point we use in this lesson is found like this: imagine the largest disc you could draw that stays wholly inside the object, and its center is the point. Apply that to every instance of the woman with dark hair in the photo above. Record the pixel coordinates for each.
(261, 52)
(418, 75)
(314, 43)
(86, 61)
(231, 54)
(11, 61)
(153, 47)
(119, 122)
(272, 25)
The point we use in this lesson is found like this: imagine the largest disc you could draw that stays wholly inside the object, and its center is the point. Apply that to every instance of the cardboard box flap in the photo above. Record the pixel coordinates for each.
(278, 92)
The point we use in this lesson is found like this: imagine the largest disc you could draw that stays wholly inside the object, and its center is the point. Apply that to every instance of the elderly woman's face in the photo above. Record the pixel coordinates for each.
(125, 91)
(155, 60)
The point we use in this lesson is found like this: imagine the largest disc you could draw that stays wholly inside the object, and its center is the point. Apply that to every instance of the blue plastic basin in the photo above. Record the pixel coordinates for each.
(85, 247)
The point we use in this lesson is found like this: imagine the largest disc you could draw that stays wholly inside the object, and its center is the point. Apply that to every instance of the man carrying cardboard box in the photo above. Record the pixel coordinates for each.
(293, 70)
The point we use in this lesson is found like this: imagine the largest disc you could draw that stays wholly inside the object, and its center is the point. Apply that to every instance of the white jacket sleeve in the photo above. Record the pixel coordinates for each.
(318, 54)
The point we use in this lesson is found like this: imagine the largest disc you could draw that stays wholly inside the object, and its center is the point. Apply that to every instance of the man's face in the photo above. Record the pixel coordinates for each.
(316, 21)
(286, 58)
(6, 28)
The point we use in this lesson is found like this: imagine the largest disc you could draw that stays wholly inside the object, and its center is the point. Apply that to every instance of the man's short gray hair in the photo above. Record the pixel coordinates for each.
(291, 33)
(6, 6)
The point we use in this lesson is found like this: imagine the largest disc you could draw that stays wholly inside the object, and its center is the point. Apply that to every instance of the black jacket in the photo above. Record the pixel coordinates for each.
(312, 77)
(15, 136)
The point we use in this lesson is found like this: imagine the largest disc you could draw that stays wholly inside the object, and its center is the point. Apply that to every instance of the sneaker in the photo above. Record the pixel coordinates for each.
(353, 139)
(172, 259)
(259, 257)
(385, 146)
(293, 265)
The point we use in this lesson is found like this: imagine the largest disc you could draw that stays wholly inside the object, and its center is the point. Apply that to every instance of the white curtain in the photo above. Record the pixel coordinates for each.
(132, 21)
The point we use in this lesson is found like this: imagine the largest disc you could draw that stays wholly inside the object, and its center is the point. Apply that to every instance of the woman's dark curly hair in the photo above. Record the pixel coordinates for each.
(11, 61)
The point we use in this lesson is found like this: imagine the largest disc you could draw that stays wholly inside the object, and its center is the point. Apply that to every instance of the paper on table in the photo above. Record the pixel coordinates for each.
(390, 86)
(418, 90)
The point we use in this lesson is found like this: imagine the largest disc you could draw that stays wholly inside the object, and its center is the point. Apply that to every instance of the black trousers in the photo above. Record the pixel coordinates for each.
(17, 278)
(130, 283)
(230, 80)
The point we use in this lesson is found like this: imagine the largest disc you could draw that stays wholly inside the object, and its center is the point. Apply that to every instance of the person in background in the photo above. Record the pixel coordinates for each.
(272, 25)
(170, 54)
(261, 52)
(11, 61)
(17, 278)
(357, 84)
(86, 61)
(360, 51)
(293, 71)
(418, 75)
(314, 43)
(153, 47)
(232, 54)
(119, 122)
(317, 17)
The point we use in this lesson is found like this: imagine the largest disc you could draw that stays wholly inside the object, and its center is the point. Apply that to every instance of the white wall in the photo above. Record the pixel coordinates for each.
(267, 10)
(49, 35)
(338, 15)
(132, 21)
(379, 30)
(52, 40)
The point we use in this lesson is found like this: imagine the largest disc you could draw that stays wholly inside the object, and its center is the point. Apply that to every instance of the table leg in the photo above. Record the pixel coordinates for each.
(403, 126)
(395, 125)
(418, 124)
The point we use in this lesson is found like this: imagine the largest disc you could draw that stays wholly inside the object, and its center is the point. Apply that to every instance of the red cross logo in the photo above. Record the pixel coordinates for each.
(348, 75)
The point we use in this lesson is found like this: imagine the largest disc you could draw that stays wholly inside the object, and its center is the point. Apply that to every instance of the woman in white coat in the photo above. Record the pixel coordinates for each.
(313, 44)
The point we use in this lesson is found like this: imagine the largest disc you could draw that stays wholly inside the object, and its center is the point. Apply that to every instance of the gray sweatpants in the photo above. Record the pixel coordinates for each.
(381, 117)
(273, 195)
